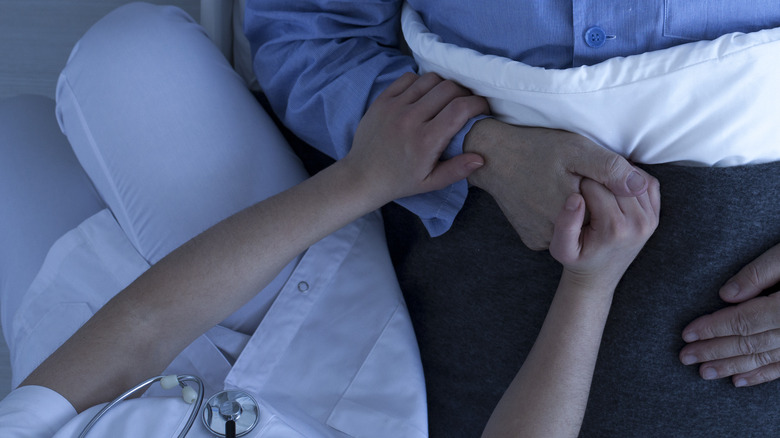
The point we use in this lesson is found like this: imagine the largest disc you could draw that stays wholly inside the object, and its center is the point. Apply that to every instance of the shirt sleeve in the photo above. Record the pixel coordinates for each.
(321, 64)
(34, 411)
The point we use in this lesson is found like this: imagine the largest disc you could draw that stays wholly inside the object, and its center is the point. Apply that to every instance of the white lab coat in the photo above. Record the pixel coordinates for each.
(334, 356)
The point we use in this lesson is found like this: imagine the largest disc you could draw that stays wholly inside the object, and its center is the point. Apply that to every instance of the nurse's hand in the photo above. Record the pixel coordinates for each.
(549, 394)
(532, 171)
(400, 139)
(595, 255)
(742, 341)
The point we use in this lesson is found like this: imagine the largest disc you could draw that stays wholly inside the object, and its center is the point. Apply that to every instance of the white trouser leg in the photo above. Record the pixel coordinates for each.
(167, 131)
(169, 134)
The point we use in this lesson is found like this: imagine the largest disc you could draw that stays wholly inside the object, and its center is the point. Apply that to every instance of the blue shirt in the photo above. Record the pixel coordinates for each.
(321, 63)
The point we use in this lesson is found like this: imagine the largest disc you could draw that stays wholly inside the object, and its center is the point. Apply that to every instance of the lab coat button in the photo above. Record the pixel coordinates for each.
(595, 37)
(303, 286)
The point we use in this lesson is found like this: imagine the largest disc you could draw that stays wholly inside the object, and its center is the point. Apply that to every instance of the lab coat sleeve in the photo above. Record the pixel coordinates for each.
(321, 64)
(33, 411)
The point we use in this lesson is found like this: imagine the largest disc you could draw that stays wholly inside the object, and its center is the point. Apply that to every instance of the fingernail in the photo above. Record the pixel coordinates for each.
(471, 165)
(740, 383)
(690, 337)
(730, 290)
(709, 373)
(689, 359)
(635, 182)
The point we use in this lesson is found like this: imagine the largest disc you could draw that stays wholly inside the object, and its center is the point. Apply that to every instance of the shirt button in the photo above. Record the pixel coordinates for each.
(303, 286)
(595, 37)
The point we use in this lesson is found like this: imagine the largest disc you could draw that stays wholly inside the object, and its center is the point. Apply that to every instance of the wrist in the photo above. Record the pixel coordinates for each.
(480, 140)
(599, 284)
(503, 147)
(356, 185)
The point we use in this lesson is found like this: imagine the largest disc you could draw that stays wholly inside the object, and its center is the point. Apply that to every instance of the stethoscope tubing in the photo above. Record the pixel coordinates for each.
(181, 378)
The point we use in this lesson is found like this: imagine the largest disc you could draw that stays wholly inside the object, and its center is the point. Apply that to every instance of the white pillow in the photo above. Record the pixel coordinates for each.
(712, 103)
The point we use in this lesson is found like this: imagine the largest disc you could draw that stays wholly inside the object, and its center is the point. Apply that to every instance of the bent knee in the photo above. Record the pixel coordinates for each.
(133, 40)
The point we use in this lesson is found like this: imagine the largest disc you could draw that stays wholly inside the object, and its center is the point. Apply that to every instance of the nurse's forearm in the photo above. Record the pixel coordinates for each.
(139, 332)
(550, 392)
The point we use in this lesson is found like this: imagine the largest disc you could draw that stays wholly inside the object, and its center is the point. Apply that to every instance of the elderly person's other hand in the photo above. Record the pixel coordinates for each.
(741, 341)
(532, 171)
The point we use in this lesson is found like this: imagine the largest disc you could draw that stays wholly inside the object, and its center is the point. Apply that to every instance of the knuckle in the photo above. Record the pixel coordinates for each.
(740, 325)
(613, 166)
(404, 81)
(763, 358)
(461, 105)
(645, 226)
(729, 368)
(705, 327)
(765, 341)
(746, 345)
(480, 103)
(451, 87)
(409, 75)
(430, 76)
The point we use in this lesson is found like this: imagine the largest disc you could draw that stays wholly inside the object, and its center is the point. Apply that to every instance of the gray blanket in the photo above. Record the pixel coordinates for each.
(478, 297)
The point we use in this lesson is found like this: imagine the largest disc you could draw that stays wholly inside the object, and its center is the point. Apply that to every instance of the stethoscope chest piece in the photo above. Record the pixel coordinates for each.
(234, 405)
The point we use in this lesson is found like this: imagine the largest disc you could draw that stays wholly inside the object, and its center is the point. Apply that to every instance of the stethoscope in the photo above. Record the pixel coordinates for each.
(231, 413)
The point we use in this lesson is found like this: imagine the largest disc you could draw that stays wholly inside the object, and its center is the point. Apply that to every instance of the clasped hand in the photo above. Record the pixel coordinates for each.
(417, 117)
(595, 254)
(530, 172)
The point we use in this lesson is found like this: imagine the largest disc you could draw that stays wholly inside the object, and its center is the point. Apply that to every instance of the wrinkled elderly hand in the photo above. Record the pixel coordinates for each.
(742, 341)
(530, 172)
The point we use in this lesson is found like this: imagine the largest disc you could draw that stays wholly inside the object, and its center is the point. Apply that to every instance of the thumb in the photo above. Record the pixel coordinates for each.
(565, 243)
(613, 171)
(453, 170)
(757, 276)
